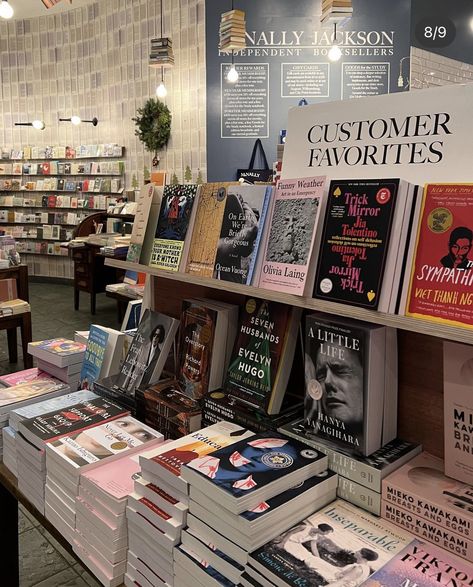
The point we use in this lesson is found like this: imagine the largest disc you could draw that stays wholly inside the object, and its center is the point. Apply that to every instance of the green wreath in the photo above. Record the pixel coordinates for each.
(153, 123)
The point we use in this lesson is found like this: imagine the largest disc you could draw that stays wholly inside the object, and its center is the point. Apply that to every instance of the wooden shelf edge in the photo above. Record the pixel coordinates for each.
(456, 333)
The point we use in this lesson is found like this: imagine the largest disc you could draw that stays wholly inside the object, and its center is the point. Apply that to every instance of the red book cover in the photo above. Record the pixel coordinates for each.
(51, 201)
(442, 272)
(46, 168)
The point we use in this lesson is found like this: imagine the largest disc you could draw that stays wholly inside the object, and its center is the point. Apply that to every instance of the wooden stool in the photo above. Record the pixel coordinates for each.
(10, 324)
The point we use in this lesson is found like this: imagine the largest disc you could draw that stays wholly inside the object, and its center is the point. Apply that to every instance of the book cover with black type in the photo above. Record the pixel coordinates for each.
(355, 240)
(253, 470)
(263, 353)
(345, 382)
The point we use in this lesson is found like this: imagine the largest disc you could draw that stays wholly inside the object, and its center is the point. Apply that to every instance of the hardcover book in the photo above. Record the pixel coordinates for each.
(345, 382)
(422, 564)
(421, 487)
(94, 357)
(111, 438)
(241, 476)
(288, 264)
(58, 351)
(172, 228)
(458, 410)
(148, 352)
(262, 355)
(355, 240)
(442, 272)
(47, 427)
(244, 218)
(338, 545)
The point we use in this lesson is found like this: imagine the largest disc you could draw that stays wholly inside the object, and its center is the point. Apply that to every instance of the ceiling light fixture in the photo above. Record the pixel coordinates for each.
(76, 120)
(335, 52)
(37, 124)
(232, 74)
(161, 90)
(6, 11)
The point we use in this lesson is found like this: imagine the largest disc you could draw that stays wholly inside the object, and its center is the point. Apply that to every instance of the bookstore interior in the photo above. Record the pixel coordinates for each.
(231, 368)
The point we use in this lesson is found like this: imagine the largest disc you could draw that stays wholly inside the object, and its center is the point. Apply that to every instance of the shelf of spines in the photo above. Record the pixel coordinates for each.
(420, 417)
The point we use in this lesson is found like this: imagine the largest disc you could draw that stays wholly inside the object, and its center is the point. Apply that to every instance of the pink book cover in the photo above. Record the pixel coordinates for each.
(421, 487)
(422, 564)
(25, 376)
(458, 410)
(117, 477)
(287, 264)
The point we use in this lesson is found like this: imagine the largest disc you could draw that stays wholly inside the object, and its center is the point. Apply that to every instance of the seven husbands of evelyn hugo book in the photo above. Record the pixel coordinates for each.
(287, 264)
(176, 216)
(345, 382)
(424, 565)
(458, 410)
(339, 545)
(263, 353)
(442, 273)
(364, 235)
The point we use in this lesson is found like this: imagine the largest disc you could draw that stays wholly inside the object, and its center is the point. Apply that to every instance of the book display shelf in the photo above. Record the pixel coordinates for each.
(46, 192)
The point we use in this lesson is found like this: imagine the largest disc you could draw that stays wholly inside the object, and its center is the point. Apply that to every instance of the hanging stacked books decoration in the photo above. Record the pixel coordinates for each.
(161, 54)
(233, 30)
(336, 11)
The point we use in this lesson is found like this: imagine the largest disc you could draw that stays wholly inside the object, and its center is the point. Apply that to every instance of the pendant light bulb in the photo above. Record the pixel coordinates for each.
(161, 91)
(38, 124)
(6, 11)
(232, 75)
(76, 120)
(335, 53)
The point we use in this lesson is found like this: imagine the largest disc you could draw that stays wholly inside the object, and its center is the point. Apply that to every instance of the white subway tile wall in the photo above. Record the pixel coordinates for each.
(432, 70)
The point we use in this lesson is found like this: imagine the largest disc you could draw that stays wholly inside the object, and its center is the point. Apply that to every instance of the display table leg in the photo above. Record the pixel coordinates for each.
(12, 345)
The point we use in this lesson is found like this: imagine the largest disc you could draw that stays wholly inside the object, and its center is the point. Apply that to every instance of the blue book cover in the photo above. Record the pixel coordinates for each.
(205, 567)
(255, 462)
(93, 358)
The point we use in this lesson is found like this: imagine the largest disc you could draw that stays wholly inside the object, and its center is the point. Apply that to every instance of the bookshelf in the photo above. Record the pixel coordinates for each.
(420, 415)
(37, 184)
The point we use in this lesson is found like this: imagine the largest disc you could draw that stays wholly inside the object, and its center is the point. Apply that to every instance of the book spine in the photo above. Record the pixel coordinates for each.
(437, 534)
(431, 511)
(213, 413)
(359, 495)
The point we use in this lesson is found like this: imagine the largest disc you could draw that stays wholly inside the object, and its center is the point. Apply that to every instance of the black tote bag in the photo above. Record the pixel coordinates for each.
(252, 175)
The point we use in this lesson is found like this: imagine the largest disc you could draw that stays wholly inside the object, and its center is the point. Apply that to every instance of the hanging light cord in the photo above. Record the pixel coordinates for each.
(161, 11)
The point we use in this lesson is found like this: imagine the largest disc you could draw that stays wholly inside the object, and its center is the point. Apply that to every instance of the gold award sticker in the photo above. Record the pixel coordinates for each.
(251, 306)
(205, 333)
(440, 220)
(118, 445)
(217, 395)
(314, 389)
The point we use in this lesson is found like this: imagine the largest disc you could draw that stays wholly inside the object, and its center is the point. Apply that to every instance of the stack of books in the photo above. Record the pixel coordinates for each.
(161, 53)
(243, 495)
(157, 510)
(232, 31)
(13, 307)
(339, 11)
(339, 545)
(9, 449)
(101, 529)
(60, 357)
(35, 432)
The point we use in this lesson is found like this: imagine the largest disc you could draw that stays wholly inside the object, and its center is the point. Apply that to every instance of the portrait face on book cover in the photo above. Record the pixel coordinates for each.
(334, 385)
(459, 246)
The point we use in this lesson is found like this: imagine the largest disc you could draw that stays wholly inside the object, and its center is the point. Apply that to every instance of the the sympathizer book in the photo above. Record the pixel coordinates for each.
(287, 263)
(458, 410)
(357, 230)
(424, 565)
(442, 272)
(345, 382)
(338, 545)
(263, 354)
(148, 352)
(174, 221)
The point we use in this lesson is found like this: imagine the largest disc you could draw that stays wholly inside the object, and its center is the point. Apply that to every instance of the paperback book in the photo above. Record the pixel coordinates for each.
(442, 272)
(359, 230)
(174, 223)
(263, 353)
(28, 392)
(345, 382)
(58, 351)
(338, 545)
(288, 263)
(458, 410)
(148, 352)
